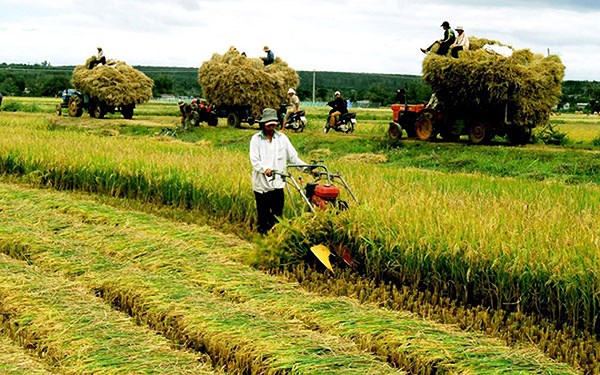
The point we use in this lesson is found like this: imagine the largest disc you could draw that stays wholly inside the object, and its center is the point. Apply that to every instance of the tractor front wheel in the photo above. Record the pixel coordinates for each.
(395, 131)
(75, 106)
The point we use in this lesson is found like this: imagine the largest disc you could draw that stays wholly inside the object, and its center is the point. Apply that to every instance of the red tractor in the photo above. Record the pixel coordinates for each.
(405, 117)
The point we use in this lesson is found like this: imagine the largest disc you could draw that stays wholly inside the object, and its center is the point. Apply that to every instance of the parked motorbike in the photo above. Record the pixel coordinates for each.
(344, 123)
(296, 122)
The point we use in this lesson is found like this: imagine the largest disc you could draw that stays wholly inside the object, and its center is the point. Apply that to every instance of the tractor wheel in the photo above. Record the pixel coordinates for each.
(479, 133)
(75, 106)
(58, 110)
(98, 110)
(300, 127)
(233, 120)
(395, 131)
(424, 127)
(127, 111)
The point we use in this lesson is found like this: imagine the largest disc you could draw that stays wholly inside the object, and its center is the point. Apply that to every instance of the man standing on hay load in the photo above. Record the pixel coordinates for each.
(270, 151)
(444, 43)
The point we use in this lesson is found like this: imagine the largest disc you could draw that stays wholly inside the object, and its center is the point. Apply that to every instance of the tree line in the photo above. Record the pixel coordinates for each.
(45, 80)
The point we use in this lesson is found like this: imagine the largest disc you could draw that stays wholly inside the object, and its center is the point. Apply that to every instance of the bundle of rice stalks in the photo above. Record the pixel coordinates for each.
(234, 79)
(114, 83)
(483, 82)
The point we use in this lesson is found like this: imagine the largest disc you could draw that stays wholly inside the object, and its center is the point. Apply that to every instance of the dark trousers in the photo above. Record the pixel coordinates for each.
(455, 50)
(443, 49)
(269, 206)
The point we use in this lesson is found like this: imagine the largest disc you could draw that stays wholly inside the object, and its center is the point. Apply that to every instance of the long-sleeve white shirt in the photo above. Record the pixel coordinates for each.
(462, 41)
(274, 155)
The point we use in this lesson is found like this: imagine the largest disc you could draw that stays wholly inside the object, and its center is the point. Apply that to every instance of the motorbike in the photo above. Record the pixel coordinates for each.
(296, 122)
(344, 123)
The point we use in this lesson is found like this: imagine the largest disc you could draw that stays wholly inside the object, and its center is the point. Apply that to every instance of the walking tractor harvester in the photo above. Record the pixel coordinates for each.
(319, 195)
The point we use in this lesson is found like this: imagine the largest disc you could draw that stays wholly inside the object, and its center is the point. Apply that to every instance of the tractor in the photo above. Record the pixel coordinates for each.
(76, 102)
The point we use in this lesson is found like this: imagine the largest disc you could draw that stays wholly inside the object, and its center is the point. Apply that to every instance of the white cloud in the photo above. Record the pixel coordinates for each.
(343, 35)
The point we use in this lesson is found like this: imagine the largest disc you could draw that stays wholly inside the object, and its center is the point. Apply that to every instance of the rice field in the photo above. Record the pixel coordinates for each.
(516, 258)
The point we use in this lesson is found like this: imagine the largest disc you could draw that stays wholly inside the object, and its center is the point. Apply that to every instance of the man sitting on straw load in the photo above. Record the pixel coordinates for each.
(461, 44)
(445, 43)
(100, 59)
(270, 58)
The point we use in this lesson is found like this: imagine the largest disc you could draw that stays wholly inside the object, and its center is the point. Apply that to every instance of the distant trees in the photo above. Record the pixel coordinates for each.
(46, 80)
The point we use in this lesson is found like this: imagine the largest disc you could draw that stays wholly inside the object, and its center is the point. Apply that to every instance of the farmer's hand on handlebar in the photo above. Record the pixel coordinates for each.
(268, 172)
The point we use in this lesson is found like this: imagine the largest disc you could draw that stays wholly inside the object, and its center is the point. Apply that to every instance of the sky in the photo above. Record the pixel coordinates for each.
(378, 36)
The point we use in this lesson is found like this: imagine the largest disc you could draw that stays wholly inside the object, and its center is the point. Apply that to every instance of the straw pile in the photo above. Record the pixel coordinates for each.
(233, 79)
(114, 83)
(482, 81)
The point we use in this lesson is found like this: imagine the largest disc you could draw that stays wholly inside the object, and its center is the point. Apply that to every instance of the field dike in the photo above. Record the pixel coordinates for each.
(188, 283)
(514, 245)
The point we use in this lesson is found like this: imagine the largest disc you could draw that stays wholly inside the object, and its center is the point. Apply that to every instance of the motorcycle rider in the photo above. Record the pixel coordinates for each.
(293, 106)
(338, 108)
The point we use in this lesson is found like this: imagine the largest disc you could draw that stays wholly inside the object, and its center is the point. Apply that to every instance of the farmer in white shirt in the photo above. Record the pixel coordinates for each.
(270, 151)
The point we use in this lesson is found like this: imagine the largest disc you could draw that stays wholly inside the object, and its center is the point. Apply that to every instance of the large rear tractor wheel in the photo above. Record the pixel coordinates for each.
(424, 127)
(127, 111)
(75, 106)
(479, 133)
(233, 120)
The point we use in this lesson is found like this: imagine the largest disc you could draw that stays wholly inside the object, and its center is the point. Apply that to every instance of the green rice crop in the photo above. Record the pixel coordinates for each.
(507, 243)
(187, 282)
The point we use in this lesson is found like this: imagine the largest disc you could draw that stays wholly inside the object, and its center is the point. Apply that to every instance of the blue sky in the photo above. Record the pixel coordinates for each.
(324, 35)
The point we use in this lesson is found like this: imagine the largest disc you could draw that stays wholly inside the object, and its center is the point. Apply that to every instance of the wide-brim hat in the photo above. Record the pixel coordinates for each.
(266, 48)
(268, 115)
(459, 28)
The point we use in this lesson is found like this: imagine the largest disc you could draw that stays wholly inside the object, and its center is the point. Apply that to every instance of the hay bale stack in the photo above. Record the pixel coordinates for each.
(233, 79)
(114, 83)
(483, 82)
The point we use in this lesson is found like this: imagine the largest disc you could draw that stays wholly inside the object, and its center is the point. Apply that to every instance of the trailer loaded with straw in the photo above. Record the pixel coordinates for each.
(241, 87)
(109, 88)
(489, 90)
